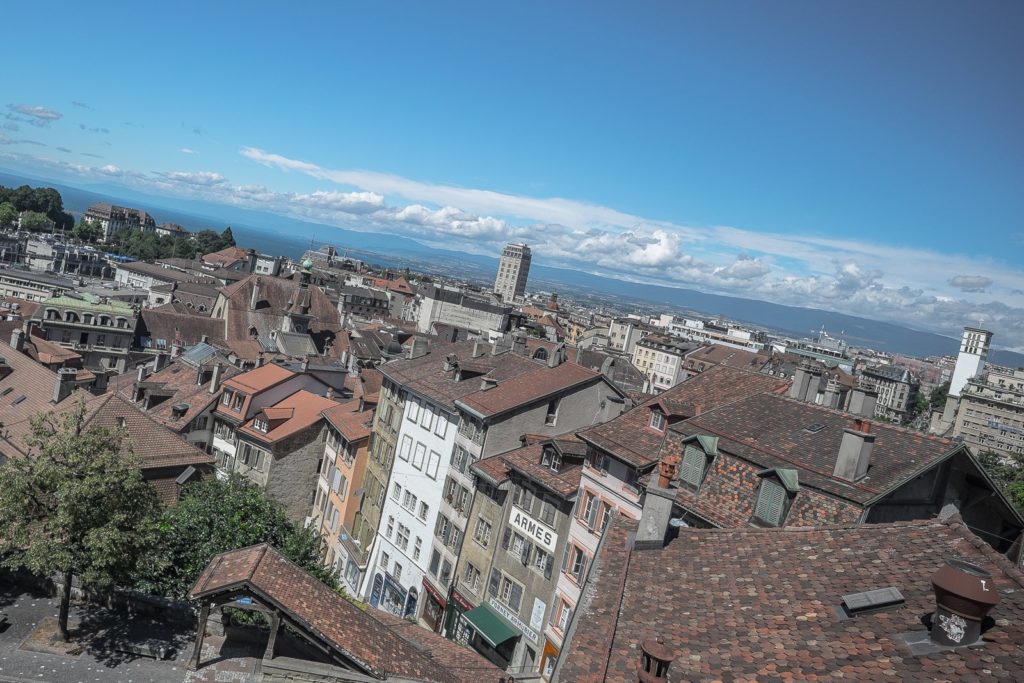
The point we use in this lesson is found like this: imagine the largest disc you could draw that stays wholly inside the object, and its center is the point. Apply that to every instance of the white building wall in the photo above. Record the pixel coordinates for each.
(422, 457)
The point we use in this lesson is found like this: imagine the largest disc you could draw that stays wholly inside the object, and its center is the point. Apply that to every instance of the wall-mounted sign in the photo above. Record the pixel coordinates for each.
(538, 532)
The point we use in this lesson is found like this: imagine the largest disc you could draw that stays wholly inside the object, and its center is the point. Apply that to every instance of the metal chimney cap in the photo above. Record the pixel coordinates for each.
(657, 649)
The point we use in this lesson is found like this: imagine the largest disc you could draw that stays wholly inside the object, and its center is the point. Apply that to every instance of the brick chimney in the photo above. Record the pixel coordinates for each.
(655, 660)
(658, 500)
(964, 595)
(862, 401)
(855, 452)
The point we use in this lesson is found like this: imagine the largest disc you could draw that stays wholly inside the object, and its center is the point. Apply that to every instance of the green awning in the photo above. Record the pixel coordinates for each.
(491, 626)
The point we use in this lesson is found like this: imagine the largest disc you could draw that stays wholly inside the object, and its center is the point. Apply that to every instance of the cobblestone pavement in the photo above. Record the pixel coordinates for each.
(98, 663)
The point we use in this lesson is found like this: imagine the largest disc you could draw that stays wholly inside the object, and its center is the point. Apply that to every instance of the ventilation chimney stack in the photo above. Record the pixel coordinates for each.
(260, 359)
(141, 375)
(478, 349)
(831, 399)
(64, 383)
(162, 359)
(657, 512)
(304, 365)
(18, 340)
(964, 595)
(519, 343)
(215, 379)
(330, 393)
(862, 401)
(801, 380)
(255, 295)
(176, 347)
(487, 383)
(418, 348)
(813, 382)
(855, 452)
(655, 661)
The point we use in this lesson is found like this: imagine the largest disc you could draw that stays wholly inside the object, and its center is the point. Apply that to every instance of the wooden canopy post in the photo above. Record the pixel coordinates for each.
(197, 649)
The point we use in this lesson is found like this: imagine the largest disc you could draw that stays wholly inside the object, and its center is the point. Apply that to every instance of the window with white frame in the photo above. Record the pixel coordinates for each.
(658, 420)
(482, 532)
(433, 461)
(417, 549)
(441, 425)
(402, 538)
(471, 578)
(409, 501)
(396, 491)
(418, 455)
(405, 448)
(390, 527)
(424, 511)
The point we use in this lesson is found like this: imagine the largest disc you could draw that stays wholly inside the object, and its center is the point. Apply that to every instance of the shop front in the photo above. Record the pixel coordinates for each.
(433, 607)
(388, 595)
(490, 634)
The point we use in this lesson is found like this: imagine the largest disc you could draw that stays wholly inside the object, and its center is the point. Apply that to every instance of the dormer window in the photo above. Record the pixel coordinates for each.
(239, 400)
(698, 452)
(657, 420)
(551, 459)
(260, 425)
(226, 398)
(775, 496)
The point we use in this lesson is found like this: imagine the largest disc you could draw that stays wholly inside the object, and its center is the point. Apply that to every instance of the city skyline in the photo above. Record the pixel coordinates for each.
(772, 154)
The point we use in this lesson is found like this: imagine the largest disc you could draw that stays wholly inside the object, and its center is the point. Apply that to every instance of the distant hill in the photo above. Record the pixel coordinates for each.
(280, 235)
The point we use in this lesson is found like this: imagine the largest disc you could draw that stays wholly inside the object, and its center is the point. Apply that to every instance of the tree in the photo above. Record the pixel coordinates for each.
(8, 215)
(216, 516)
(938, 396)
(1007, 471)
(33, 221)
(227, 239)
(77, 505)
(88, 231)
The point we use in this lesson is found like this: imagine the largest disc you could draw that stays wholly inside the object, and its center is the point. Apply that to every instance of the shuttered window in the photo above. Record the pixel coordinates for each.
(692, 470)
(771, 501)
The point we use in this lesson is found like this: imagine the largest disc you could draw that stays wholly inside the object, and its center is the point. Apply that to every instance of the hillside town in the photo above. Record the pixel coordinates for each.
(503, 483)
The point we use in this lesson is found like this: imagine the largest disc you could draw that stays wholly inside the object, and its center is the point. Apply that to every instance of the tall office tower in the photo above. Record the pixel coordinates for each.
(971, 361)
(512, 272)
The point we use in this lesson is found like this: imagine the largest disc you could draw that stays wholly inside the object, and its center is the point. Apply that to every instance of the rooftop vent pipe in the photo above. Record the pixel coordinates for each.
(964, 595)
(655, 661)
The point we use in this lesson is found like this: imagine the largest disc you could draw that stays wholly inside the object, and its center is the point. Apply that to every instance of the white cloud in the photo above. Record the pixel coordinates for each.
(905, 285)
(187, 150)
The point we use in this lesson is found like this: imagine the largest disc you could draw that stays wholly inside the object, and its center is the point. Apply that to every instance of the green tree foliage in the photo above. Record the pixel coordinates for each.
(76, 506)
(8, 215)
(1008, 473)
(208, 241)
(216, 516)
(147, 246)
(45, 200)
(937, 398)
(88, 231)
(34, 221)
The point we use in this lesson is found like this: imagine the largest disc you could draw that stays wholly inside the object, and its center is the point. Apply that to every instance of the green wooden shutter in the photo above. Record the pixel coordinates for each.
(770, 502)
(692, 471)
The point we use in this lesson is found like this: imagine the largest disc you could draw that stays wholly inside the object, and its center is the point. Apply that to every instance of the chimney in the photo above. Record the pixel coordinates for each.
(831, 399)
(655, 661)
(161, 361)
(556, 356)
(18, 340)
(175, 348)
(478, 349)
(451, 361)
(215, 379)
(141, 376)
(579, 357)
(64, 383)
(418, 348)
(855, 452)
(487, 383)
(657, 512)
(813, 382)
(519, 343)
(862, 401)
(801, 380)
(255, 295)
(330, 393)
(251, 257)
(205, 339)
(304, 365)
(260, 360)
(964, 595)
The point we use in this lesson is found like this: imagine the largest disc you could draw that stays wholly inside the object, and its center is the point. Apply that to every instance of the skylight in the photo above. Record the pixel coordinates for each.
(871, 601)
(814, 428)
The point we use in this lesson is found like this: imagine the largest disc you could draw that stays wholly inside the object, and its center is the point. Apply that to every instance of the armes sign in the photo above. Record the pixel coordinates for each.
(538, 532)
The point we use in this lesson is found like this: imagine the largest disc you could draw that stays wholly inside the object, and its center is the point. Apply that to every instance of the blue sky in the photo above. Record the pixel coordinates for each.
(864, 157)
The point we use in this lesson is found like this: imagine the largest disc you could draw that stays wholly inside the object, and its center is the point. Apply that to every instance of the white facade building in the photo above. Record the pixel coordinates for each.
(402, 548)
(970, 362)
(513, 270)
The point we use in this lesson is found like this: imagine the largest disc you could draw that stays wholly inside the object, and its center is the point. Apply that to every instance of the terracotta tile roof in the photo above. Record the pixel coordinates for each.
(760, 604)
(276, 295)
(260, 379)
(299, 411)
(528, 387)
(226, 257)
(346, 418)
(168, 323)
(771, 431)
(719, 354)
(361, 636)
(425, 376)
(26, 391)
(629, 438)
(177, 384)
(527, 462)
